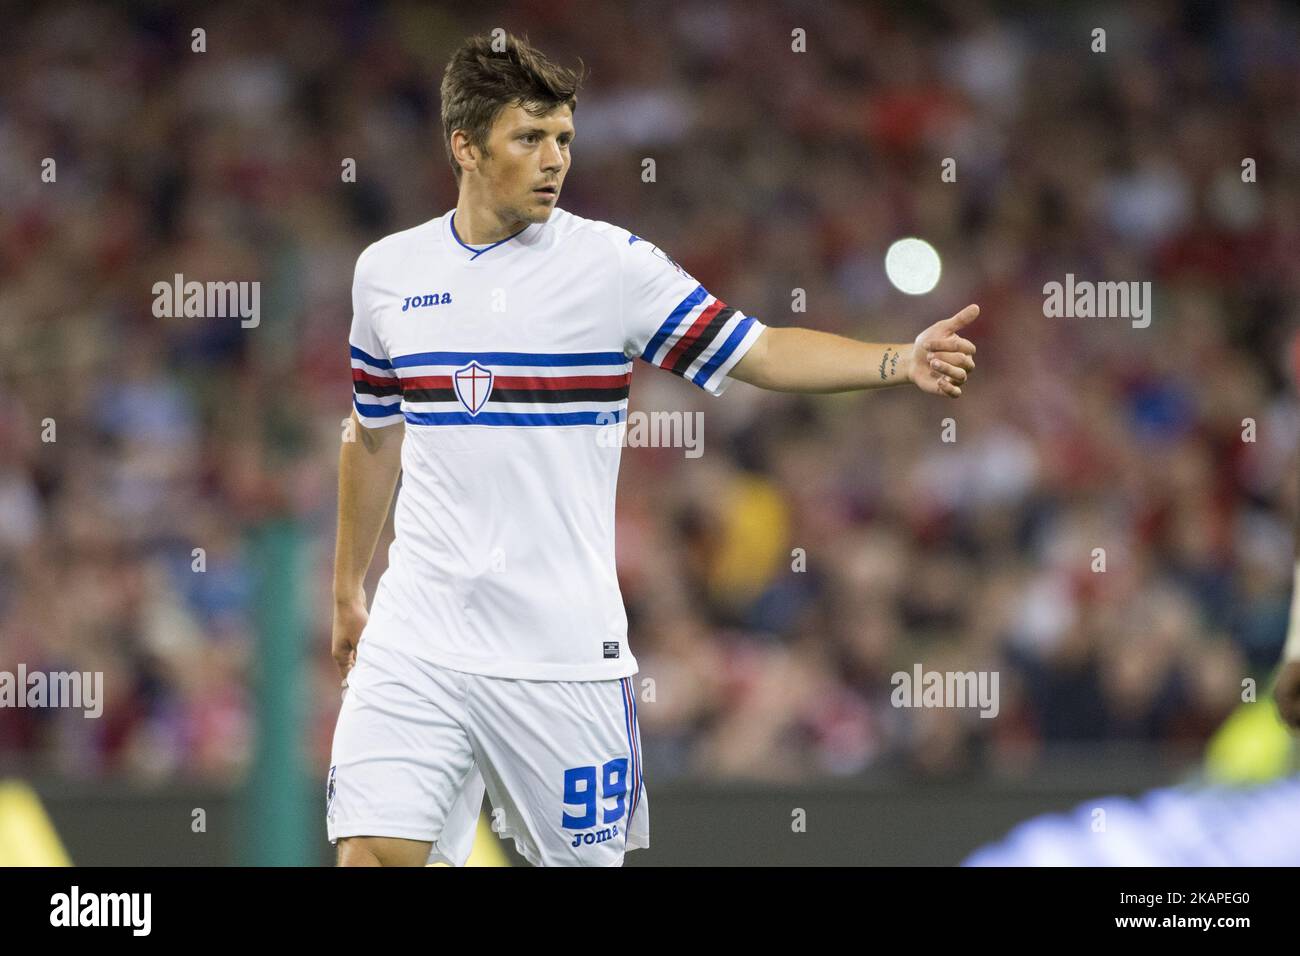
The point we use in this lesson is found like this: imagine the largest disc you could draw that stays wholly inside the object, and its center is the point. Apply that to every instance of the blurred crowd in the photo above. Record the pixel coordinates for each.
(1109, 527)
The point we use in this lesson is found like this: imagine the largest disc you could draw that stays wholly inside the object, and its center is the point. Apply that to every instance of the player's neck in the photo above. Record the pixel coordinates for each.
(478, 225)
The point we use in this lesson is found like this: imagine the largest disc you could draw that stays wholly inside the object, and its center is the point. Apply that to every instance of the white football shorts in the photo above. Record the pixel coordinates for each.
(417, 745)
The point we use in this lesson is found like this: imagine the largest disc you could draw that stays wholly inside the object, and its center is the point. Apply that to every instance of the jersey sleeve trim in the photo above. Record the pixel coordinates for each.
(714, 374)
(376, 364)
(671, 324)
(376, 390)
(702, 340)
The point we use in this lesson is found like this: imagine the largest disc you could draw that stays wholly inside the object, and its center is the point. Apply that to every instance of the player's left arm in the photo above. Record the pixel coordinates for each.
(939, 362)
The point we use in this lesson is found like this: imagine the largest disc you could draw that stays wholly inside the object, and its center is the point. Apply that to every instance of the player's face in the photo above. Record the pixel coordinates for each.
(528, 157)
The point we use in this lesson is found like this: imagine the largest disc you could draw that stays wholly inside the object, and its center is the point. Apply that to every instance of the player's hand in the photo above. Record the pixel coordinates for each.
(350, 616)
(1287, 694)
(941, 359)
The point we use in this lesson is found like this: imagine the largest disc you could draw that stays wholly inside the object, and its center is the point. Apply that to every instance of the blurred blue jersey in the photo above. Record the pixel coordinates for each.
(1176, 826)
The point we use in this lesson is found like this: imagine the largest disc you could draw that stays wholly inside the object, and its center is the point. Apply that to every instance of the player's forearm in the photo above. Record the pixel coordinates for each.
(368, 470)
(805, 360)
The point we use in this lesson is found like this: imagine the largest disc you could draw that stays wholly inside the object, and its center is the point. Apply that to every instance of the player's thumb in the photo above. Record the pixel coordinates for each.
(963, 318)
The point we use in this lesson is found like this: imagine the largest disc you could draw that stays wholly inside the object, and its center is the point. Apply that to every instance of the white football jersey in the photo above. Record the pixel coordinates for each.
(510, 366)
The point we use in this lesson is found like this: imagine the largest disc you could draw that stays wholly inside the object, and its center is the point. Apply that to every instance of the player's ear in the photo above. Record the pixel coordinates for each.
(465, 152)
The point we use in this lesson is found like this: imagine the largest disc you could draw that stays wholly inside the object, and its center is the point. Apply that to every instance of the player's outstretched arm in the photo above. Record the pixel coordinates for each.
(368, 470)
(803, 360)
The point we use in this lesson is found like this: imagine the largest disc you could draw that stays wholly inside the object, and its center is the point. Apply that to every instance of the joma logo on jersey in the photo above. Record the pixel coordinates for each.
(422, 301)
(596, 836)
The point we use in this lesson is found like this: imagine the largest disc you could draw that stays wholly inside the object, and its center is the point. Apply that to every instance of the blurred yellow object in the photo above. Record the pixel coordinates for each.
(487, 847)
(756, 527)
(1252, 746)
(27, 836)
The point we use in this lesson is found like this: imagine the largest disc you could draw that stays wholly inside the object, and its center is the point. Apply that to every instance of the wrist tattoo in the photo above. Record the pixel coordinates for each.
(890, 359)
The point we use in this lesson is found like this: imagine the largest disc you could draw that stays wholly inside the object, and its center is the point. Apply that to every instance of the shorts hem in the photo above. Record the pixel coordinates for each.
(509, 833)
(345, 831)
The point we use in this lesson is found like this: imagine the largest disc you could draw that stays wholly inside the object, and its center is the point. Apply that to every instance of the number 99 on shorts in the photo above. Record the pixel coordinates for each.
(599, 808)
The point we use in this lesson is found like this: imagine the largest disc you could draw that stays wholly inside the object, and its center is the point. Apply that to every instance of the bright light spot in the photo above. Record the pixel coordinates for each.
(912, 266)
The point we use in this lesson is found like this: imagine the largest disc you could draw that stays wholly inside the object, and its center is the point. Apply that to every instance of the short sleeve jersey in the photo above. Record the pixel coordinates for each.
(509, 365)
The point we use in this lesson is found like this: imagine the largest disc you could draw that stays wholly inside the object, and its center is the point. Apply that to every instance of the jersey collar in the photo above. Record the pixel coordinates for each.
(472, 253)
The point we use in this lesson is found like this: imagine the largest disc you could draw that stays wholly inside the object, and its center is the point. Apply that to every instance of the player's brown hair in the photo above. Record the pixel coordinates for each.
(480, 81)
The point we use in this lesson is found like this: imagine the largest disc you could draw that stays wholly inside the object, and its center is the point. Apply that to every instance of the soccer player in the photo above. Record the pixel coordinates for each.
(491, 348)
